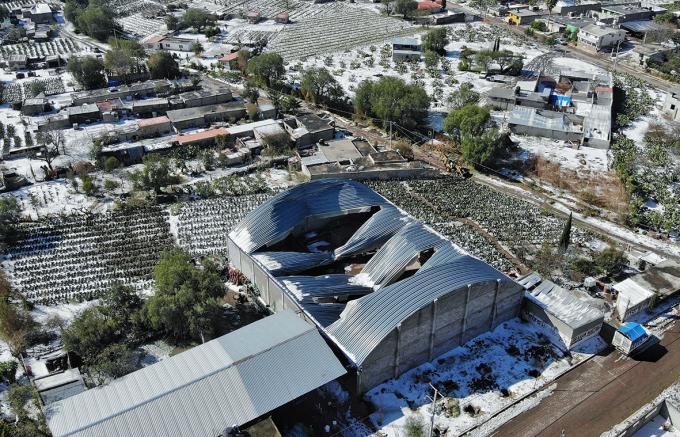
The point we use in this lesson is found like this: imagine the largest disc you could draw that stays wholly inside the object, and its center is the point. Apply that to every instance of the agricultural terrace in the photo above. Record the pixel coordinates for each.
(350, 67)
(485, 222)
(79, 256)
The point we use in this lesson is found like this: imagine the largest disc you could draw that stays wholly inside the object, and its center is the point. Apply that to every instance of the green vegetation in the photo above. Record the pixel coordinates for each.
(405, 7)
(197, 19)
(186, 303)
(392, 100)
(319, 86)
(267, 69)
(90, 17)
(162, 65)
(610, 261)
(88, 71)
(156, 174)
(481, 144)
(436, 40)
(464, 95)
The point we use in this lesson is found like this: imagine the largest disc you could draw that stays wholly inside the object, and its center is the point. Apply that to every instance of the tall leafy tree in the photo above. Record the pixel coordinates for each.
(88, 71)
(185, 305)
(16, 326)
(267, 69)
(163, 66)
(319, 86)
(392, 100)
(435, 40)
(405, 7)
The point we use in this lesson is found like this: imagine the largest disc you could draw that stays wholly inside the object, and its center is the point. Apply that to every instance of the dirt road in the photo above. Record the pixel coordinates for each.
(602, 392)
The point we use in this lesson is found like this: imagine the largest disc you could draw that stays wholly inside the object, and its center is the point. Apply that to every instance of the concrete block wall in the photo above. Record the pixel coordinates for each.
(439, 327)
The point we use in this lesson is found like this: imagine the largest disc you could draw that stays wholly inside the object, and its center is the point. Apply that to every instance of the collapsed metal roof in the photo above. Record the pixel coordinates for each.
(228, 381)
(402, 244)
(275, 219)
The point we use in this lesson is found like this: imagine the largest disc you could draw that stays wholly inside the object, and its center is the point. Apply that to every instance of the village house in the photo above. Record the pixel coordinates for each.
(671, 104)
(153, 127)
(308, 129)
(406, 49)
(34, 106)
(523, 16)
(600, 37)
(39, 13)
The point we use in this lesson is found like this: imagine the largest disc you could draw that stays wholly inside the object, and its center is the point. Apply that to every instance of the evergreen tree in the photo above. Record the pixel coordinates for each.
(566, 235)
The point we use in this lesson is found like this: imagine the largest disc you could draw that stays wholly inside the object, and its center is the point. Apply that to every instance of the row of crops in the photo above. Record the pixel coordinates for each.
(57, 46)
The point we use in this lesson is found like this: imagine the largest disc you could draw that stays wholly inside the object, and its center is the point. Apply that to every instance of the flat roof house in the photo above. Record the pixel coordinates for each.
(671, 105)
(570, 319)
(646, 289)
(600, 37)
(40, 13)
(308, 129)
(406, 49)
(34, 106)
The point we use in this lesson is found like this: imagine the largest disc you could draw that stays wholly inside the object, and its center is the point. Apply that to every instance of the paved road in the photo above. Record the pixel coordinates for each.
(602, 392)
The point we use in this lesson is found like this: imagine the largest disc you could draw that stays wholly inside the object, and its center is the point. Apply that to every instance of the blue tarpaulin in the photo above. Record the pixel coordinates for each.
(633, 331)
(559, 100)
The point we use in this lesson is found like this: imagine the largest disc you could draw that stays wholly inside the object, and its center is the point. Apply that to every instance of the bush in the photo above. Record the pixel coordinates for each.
(8, 370)
(111, 163)
(415, 426)
(110, 185)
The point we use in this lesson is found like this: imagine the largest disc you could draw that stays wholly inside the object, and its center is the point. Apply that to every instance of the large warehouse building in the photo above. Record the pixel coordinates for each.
(385, 290)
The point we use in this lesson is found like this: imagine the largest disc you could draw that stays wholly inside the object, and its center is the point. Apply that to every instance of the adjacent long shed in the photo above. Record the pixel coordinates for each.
(388, 292)
(231, 380)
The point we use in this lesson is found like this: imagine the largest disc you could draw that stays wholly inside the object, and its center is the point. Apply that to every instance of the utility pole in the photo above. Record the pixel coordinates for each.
(390, 135)
(434, 405)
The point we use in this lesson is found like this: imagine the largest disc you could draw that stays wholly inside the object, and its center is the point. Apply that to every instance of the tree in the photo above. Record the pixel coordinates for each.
(185, 304)
(163, 66)
(10, 212)
(464, 95)
(37, 87)
(50, 143)
(566, 236)
(610, 261)
(436, 41)
(197, 48)
(550, 4)
(87, 71)
(392, 99)
(16, 325)
(90, 333)
(171, 22)
(96, 22)
(405, 7)
(289, 104)
(319, 86)
(267, 69)
(197, 19)
(431, 59)
(114, 361)
(483, 149)
(483, 59)
(132, 48)
(388, 6)
(120, 62)
(547, 260)
(116, 318)
(155, 175)
(17, 397)
(470, 120)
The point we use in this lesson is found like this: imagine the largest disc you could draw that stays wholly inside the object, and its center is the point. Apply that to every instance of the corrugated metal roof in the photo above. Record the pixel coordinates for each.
(227, 381)
(399, 251)
(375, 231)
(279, 263)
(564, 306)
(366, 321)
(276, 218)
(315, 294)
(542, 119)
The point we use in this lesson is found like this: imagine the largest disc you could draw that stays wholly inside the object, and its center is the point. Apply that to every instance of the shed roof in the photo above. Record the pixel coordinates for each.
(563, 305)
(227, 381)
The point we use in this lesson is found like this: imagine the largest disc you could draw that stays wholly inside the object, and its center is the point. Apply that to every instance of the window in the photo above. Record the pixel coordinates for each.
(672, 107)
